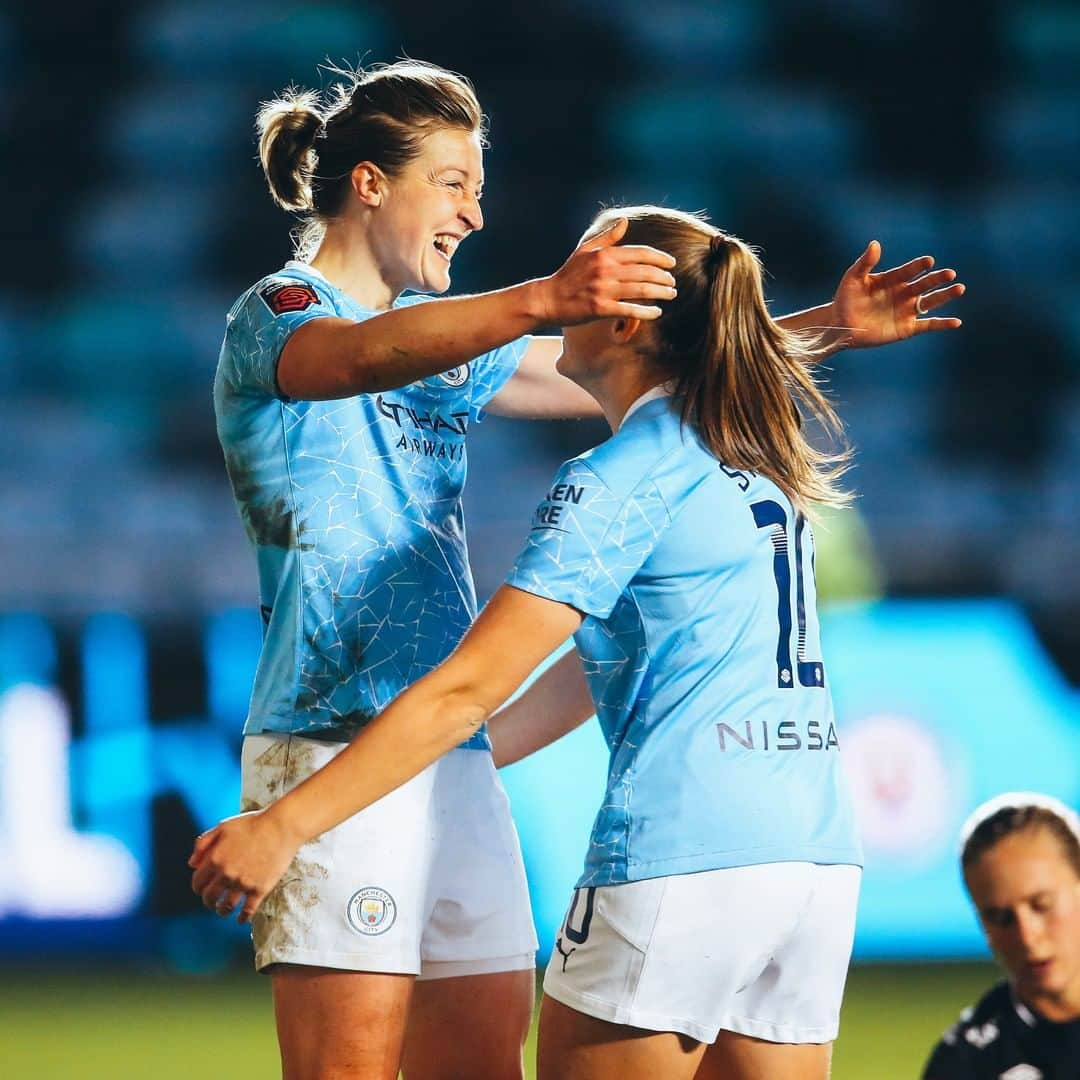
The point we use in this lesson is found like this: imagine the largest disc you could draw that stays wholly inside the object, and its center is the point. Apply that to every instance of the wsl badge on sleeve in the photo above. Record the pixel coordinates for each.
(371, 911)
(285, 297)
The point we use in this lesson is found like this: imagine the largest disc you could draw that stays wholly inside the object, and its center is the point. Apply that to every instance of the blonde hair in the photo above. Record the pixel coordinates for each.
(744, 381)
(308, 149)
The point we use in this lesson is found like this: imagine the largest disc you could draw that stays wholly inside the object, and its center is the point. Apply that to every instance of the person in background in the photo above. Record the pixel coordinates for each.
(1020, 858)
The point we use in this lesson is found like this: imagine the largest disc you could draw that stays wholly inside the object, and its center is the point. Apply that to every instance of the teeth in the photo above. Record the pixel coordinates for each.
(446, 244)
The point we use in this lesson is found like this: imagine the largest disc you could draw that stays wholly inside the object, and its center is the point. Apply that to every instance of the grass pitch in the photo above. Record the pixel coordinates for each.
(117, 1025)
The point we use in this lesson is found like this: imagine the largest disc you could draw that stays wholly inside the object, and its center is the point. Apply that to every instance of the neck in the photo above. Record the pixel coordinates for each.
(618, 388)
(345, 258)
(1059, 1008)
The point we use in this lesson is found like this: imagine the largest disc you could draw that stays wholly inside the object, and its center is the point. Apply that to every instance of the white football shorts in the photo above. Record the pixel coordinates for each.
(759, 950)
(428, 881)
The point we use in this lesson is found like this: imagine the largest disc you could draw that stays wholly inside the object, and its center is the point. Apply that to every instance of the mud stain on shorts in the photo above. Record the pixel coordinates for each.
(300, 763)
(285, 920)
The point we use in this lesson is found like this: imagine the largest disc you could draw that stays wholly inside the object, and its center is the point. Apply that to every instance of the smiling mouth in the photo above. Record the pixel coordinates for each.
(446, 244)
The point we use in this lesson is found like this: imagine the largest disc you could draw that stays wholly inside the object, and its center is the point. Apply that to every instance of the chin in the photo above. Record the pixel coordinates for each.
(566, 365)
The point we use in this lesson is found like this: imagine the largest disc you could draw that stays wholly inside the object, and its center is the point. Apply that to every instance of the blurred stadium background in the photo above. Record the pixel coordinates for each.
(128, 629)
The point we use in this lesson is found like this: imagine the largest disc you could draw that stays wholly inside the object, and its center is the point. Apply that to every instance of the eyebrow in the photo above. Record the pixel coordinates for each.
(463, 169)
(991, 912)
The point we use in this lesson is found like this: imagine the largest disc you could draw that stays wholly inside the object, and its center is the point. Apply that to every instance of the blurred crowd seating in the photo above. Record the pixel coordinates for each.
(136, 215)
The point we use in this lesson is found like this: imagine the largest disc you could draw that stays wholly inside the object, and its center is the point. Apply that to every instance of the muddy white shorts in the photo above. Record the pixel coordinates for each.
(427, 881)
(759, 950)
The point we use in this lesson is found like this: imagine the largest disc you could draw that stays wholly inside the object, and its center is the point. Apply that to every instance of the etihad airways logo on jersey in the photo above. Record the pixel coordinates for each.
(783, 736)
(408, 418)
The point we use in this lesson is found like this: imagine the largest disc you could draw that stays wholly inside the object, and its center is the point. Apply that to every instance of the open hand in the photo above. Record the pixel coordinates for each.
(877, 309)
(241, 859)
(601, 280)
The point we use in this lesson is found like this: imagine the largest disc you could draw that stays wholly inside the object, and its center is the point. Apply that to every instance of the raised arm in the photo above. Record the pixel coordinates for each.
(881, 308)
(246, 855)
(330, 357)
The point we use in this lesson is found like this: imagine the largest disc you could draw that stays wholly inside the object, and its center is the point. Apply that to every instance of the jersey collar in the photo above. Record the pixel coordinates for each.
(655, 394)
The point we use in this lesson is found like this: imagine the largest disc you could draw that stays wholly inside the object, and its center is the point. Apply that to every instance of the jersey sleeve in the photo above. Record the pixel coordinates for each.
(491, 372)
(587, 542)
(263, 321)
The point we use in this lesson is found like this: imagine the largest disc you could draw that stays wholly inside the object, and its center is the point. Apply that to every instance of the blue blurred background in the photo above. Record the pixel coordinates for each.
(137, 213)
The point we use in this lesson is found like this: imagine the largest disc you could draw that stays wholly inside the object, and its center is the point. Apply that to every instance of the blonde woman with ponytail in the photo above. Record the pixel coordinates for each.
(710, 931)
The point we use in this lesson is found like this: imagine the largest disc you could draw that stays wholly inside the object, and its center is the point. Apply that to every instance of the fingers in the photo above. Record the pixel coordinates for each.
(898, 275)
(203, 843)
(622, 310)
(635, 271)
(866, 262)
(939, 298)
(251, 905)
(927, 326)
(642, 254)
(204, 876)
(224, 902)
(609, 237)
(928, 282)
(634, 289)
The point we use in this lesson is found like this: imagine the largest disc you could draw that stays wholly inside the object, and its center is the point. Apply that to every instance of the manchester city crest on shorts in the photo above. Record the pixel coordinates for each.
(456, 376)
(371, 911)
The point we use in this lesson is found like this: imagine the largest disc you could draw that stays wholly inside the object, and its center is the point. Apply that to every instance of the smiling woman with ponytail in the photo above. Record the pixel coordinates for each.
(342, 408)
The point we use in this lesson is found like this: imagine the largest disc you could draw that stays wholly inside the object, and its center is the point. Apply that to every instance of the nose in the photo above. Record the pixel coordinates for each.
(472, 215)
(1029, 927)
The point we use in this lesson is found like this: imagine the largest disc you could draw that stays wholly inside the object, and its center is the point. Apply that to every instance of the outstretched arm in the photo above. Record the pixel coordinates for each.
(536, 391)
(557, 703)
(330, 357)
(868, 309)
(245, 856)
(880, 308)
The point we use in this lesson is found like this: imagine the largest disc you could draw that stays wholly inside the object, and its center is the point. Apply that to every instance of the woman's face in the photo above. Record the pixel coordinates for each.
(428, 209)
(1028, 897)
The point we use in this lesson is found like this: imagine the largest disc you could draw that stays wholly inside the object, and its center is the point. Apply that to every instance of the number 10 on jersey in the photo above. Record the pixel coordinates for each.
(772, 516)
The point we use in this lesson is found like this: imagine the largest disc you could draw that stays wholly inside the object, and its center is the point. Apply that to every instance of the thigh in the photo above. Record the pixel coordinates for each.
(741, 1057)
(573, 1046)
(469, 1026)
(339, 1025)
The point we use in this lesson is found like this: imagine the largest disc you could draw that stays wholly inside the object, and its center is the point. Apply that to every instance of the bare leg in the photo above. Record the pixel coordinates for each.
(574, 1046)
(340, 1025)
(740, 1057)
(469, 1026)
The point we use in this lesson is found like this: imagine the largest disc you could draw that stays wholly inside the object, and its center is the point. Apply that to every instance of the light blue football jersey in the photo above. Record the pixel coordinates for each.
(354, 509)
(701, 647)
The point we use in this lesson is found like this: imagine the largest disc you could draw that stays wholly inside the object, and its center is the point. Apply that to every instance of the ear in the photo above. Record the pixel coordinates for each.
(368, 181)
(623, 330)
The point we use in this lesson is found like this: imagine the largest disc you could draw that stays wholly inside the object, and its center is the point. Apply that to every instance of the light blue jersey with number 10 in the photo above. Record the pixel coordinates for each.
(702, 652)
